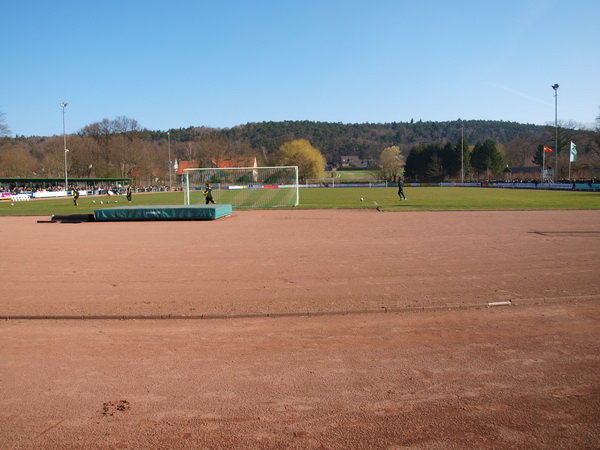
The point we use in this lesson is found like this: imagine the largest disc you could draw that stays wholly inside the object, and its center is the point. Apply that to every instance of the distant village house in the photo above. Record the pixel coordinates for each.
(221, 163)
(355, 161)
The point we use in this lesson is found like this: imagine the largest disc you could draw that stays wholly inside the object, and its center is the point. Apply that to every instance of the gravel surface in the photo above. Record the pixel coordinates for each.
(421, 361)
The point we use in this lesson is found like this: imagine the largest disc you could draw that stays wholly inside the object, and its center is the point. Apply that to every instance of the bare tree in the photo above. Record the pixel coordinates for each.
(187, 151)
(124, 125)
(85, 157)
(211, 148)
(119, 125)
(52, 157)
(596, 135)
(4, 129)
(16, 161)
(520, 151)
(150, 165)
(567, 132)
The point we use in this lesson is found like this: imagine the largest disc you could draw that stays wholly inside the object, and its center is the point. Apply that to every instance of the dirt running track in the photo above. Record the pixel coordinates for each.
(346, 329)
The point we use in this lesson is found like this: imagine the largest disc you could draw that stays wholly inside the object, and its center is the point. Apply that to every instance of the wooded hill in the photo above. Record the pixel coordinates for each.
(364, 140)
(123, 148)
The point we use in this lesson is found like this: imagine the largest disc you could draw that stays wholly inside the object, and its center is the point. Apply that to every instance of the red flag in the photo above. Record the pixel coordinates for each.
(547, 149)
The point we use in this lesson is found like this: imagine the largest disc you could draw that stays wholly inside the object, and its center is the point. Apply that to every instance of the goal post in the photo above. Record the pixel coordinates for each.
(244, 187)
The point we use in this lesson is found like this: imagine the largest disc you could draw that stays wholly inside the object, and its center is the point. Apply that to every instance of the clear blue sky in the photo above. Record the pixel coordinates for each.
(224, 63)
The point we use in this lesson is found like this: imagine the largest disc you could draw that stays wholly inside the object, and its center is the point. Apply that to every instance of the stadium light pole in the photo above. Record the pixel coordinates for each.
(64, 105)
(462, 153)
(170, 171)
(555, 87)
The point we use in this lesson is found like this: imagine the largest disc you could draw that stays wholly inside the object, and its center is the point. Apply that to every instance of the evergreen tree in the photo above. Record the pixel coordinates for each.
(486, 158)
(450, 161)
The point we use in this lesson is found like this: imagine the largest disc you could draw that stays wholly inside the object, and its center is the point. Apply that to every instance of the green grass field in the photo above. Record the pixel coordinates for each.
(419, 199)
(447, 199)
(349, 175)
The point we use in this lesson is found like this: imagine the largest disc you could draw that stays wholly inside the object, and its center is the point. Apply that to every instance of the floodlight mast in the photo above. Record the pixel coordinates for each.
(170, 165)
(462, 153)
(64, 105)
(555, 87)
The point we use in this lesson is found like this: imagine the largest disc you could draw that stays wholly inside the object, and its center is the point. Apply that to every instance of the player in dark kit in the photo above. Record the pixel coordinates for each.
(129, 194)
(208, 194)
(75, 195)
(401, 189)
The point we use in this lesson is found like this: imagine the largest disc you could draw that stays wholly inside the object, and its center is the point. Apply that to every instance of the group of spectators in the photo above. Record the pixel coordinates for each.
(589, 182)
(582, 181)
(96, 189)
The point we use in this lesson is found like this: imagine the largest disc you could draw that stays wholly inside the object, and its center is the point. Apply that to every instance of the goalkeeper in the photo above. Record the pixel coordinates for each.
(208, 194)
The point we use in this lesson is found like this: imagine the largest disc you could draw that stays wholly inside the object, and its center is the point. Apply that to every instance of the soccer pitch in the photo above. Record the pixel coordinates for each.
(447, 199)
(386, 199)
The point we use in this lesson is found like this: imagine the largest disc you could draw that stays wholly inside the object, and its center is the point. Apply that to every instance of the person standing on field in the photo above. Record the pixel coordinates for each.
(75, 195)
(129, 193)
(401, 189)
(208, 194)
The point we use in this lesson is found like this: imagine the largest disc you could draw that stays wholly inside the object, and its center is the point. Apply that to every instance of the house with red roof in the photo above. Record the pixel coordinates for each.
(236, 161)
(220, 163)
(182, 165)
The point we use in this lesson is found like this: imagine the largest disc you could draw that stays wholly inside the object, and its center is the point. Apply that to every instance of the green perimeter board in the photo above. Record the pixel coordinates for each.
(164, 212)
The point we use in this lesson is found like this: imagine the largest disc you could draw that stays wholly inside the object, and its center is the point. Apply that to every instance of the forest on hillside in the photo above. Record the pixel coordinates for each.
(123, 148)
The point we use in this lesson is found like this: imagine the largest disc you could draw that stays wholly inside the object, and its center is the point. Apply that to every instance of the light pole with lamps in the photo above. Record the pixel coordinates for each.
(555, 87)
(462, 152)
(64, 105)
(170, 171)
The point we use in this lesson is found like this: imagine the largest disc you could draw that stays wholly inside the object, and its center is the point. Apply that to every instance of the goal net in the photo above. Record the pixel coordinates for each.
(244, 187)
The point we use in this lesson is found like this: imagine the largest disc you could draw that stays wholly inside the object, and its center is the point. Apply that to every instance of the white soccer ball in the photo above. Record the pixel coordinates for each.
(101, 202)
(93, 201)
(12, 204)
(361, 199)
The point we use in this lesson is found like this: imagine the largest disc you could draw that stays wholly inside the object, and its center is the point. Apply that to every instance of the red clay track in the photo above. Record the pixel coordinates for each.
(522, 376)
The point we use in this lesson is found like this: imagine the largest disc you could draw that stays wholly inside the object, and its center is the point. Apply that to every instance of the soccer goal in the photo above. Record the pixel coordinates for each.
(244, 187)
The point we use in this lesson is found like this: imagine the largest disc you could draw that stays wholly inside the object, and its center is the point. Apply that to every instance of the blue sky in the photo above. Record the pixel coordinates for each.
(225, 63)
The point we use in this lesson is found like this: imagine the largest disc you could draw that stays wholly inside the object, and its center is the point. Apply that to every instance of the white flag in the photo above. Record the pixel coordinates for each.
(573, 154)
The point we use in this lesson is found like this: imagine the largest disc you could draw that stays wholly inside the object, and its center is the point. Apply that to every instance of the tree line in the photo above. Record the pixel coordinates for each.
(428, 150)
(436, 162)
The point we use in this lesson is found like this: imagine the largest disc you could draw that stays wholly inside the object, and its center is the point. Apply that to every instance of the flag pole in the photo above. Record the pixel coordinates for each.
(572, 156)
(543, 162)
(570, 162)
(555, 87)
